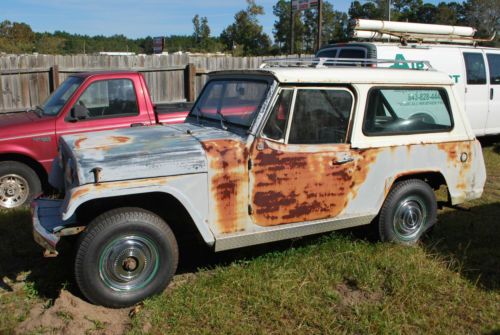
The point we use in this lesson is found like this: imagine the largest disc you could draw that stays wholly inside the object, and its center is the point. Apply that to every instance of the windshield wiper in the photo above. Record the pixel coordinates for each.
(198, 114)
(222, 119)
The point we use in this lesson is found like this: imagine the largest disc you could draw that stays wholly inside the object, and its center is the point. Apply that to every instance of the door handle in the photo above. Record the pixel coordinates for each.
(137, 125)
(343, 160)
(491, 93)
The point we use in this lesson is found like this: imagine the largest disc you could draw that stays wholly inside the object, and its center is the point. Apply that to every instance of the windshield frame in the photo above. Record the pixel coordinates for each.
(198, 116)
(73, 83)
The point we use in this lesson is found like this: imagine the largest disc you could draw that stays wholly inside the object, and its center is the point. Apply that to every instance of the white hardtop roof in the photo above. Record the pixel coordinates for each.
(348, 75)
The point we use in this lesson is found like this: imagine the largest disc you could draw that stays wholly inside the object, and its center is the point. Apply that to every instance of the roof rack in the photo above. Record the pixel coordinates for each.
(346, 62)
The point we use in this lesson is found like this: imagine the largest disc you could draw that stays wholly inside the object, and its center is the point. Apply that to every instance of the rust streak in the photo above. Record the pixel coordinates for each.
(228, 182)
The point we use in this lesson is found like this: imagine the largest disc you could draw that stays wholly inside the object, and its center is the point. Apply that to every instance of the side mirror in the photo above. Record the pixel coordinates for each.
(79, 112)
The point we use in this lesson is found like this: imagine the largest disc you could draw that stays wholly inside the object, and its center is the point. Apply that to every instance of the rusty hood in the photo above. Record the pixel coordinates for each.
(137, 153)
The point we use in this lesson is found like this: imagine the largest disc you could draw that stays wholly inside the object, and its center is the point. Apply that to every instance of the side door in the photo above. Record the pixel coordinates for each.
(476, 91)
(493, 123)
(104, 104)
(302, 165)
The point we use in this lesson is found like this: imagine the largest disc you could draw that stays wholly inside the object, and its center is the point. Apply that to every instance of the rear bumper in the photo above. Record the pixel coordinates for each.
(47, 224)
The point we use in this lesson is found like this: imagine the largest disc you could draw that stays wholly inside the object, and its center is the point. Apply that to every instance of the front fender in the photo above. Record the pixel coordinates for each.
(190, 190)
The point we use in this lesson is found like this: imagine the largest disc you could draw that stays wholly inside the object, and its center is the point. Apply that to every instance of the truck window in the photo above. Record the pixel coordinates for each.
(328, 53)
(395, 111)
(494, 65)
(276, 124)
(108, 98)
(320, 116)
(352, 53)
(475, 69)
(236, 100)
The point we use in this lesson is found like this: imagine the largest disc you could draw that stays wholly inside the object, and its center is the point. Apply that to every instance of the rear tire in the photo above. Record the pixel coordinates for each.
(19, 184)
(409, 210)
(124, 256)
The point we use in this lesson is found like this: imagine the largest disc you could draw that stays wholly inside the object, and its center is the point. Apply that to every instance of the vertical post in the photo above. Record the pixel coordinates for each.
(54, 77)
(389, 5)
(190, 82)
(320, 25)
(292, 28)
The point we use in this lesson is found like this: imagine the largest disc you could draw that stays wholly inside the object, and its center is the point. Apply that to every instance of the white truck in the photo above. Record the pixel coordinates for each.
(474, 70)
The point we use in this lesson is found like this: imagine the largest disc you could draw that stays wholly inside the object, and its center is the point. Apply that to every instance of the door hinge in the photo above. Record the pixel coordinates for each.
(250, 165)
(250, 210)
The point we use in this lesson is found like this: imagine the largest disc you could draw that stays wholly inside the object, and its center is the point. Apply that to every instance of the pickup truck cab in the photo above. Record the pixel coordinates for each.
(82, 103)
(264, 155)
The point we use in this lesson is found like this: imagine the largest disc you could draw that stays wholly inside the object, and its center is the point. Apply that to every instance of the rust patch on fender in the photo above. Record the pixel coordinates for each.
(454, 152)
(228, 174)
(290, 185)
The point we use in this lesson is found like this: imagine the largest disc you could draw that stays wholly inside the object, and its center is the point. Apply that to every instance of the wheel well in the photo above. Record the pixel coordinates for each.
(433, 178)
(162, 204)
(33, 164)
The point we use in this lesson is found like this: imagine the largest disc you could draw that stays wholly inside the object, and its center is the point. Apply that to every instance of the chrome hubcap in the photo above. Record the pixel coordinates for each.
(129, 263)
(409, 218)
(14, 191)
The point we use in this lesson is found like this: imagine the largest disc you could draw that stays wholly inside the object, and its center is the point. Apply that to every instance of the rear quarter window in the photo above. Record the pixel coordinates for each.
(396, 111)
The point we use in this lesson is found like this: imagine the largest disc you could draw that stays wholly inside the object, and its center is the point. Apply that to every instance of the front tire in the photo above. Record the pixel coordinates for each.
(409, 210)
(19, 184)
(125, 256)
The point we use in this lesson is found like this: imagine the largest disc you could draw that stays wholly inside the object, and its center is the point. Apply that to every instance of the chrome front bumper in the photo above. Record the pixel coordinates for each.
(47, 224)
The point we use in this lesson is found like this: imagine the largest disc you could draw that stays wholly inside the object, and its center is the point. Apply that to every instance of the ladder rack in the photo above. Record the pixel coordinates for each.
(346, 62)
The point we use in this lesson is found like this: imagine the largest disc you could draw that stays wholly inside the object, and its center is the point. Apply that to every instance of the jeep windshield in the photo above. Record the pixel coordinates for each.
(231, 101)
(52, 106)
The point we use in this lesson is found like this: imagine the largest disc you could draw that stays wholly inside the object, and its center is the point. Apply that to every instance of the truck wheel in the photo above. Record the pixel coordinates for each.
(124, 256)
(18, 184)
(408, 211)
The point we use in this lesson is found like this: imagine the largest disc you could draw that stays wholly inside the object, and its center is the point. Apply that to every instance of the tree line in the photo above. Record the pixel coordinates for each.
(246, 36)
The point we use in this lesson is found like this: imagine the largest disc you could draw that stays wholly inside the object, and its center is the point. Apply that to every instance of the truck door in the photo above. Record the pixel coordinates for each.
(477, 95)
(302, 165)
(493, 123)
(102, 105)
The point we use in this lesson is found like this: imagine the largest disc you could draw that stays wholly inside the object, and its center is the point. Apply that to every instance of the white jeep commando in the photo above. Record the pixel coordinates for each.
(265, 155)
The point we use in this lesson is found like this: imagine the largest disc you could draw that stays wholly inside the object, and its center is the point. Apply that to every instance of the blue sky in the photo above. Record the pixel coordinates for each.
(132, 18)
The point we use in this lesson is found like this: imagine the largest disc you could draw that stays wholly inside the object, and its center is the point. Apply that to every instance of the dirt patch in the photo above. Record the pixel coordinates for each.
(71, 315)
(351, 295)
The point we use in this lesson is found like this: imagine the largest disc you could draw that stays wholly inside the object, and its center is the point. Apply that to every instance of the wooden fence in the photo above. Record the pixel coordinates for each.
(26, 80)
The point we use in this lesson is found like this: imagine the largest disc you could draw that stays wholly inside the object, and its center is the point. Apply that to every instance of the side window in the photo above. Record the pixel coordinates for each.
(327, 53)
(475, 69)
(276, 124)
(407, 111)
(352, 53)
(494, 65)
(109, 98)
(320, 116)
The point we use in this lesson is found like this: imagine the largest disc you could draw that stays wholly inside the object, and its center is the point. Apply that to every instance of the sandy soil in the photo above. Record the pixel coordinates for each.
(71, 315)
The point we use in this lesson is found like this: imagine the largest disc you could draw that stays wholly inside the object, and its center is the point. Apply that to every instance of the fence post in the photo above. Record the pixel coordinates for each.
(190, 82)
(54, 77)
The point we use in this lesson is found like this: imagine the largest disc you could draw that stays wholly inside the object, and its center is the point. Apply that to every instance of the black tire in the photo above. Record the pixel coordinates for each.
(101, 262)
(409, 211)
(19, 184)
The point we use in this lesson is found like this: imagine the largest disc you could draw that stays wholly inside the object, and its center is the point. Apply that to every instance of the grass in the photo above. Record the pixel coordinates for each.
(335, 283)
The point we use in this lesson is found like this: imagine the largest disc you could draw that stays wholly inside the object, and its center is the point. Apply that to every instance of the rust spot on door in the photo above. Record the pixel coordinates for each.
(294, 185)
(228, 174)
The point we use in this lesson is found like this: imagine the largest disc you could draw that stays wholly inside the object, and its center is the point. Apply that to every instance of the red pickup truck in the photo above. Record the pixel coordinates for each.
(82, 103)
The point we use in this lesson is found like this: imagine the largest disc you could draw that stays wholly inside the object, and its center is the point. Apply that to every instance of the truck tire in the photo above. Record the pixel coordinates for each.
(124, 256)
(19, 184)
(408, 211)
